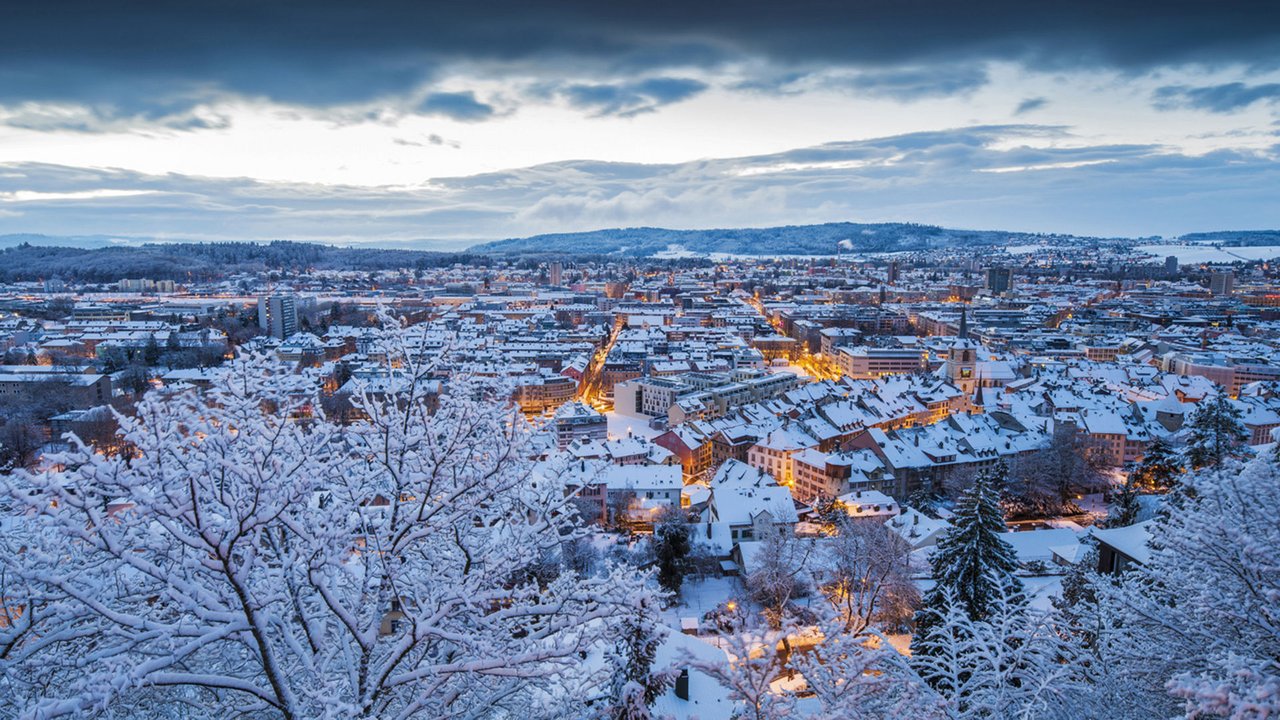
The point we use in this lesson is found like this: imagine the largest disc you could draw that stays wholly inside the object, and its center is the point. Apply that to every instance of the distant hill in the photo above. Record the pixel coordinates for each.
(785, 240)
(202, 261)
(1235, 238)
(69, 241)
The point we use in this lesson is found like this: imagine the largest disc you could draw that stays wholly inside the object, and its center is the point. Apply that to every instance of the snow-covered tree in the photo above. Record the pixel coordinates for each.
(861, 675)
(671, 538)
(1200, 617)
(1012, 663)
(1214, 432)
(1160, 464)
(1077, 604)
(778, 572)
(972, 565)
(254, 559)
(1045, 482)
(1125, 506)
(866, 576)
(636, 684)
(751, 668)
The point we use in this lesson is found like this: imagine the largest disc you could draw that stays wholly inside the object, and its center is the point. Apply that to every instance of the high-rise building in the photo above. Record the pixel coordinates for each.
(893, 272)
(999, 279)
(1222, 283)
(1171, 266)
(278, 314)
(556, 272)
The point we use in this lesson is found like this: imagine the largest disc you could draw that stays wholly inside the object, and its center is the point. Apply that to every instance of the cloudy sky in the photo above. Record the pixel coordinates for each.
(390, 121)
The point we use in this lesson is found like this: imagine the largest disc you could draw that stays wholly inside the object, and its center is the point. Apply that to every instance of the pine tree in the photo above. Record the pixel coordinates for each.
(973, 566)
(1078, 603)
(671, 534)
(151, 352)
(1158, 468)
(1215, 433)
(635, 685)
(1124, 511)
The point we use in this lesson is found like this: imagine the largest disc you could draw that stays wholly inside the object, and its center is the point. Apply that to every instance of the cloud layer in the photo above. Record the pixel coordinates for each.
(146, 57)
(1016, 177)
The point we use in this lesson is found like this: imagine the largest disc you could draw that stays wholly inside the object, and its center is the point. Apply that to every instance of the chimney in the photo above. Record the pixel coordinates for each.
(682, 684)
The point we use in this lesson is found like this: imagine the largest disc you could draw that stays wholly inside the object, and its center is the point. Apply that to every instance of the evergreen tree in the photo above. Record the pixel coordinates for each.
(1158, 468)
(151, 352)
(973, 566)
(1124, 511)
(635, 685)
(1078, 603)
(671, 535)
(1215, 433)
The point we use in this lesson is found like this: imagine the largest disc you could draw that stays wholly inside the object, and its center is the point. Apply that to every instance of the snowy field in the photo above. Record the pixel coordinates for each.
(620, 425)
(1194, 254)
(1025, 249)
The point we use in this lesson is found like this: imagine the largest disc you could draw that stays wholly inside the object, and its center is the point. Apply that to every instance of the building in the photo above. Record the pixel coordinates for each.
(578, 421)
(774, 453)
(1171, 266)
(829, 475)
(1122, 548)
(78, 389)
(278, 314)
(1222, 283)
(999, 280)
(543, 391)
(750, 502)
(555, 272)
(868, 363)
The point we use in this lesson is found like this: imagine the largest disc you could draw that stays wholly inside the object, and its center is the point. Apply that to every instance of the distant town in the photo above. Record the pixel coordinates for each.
(780, 440)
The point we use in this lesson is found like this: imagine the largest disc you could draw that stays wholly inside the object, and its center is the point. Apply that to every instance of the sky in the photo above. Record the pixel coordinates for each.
(442, 123)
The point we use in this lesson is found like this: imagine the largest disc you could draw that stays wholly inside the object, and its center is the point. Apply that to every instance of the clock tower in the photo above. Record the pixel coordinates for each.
(962, 358)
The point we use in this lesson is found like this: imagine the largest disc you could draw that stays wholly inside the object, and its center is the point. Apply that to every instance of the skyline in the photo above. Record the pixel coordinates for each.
(399, 122)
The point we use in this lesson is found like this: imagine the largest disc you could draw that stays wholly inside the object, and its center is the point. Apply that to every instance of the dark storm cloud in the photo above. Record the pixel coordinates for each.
(129, 55)
(461, 106)
(1224, 98)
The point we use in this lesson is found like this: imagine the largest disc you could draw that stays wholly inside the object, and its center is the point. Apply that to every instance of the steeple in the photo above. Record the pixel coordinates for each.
(964, 324)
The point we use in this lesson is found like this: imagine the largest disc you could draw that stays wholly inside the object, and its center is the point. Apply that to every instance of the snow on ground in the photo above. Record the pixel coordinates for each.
(620, 425)
(1042, 589)
(1194, 254)
(1025, 249)
(793, 369)
(698, 597)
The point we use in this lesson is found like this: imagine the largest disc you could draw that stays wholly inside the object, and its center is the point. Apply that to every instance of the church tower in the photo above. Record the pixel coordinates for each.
(962, 358)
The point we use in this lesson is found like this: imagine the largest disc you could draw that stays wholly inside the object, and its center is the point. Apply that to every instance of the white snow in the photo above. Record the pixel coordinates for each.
(1194, 254)
(622, 425)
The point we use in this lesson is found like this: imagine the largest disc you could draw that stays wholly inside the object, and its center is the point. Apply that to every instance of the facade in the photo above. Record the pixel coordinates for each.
(830, 475)
(278, 314)
(542, 392)
(578, 421)
(1222, 283)
(999, 280)
(867, 363)
(80, 389)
